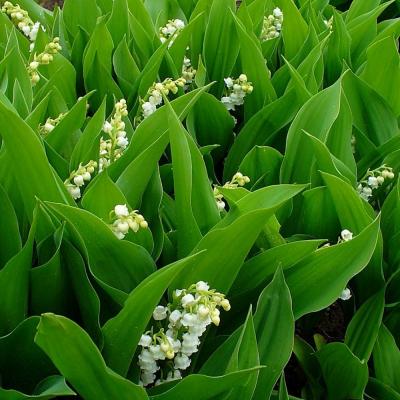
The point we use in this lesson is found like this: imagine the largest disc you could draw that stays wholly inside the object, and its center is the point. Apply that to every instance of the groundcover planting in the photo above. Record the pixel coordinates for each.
(199, 200)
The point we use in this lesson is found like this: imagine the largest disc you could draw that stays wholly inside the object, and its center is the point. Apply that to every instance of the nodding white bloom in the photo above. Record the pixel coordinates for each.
(346, 235)
(44, 58)
(183, 322)
(116, 142)
(373, 180)
(79, 177)
(171, 30)
(345, 295)
(188, 72)
(272, 25)
(50, 124)
(125, 220)
(154, 97)
(237, 180)
(236, 91)
(329, 23)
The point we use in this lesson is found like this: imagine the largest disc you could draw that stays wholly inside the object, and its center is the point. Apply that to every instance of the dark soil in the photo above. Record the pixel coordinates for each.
(50, 4)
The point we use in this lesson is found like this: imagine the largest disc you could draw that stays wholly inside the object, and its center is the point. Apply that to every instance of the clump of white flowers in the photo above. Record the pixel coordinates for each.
(237, 180)
(154, 97)
(373, 180)
(125, 220)
(188, 72)
(171, 30)
(79, 177)
(21, 19)
(50, 124)
(236, 91)
(112, 148)
(272, 25)
(165, 353)
(44, 58)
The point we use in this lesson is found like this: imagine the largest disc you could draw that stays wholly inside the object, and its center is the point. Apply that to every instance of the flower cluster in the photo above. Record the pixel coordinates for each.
(237, 89)
(237, 180)
(171, 30)
(373, 180)
(44, 58)
(22, 20)
(50, 124)
(125, 220)
(112, 148)
(154, 95)
(188, 72)
(345, 236)
(183, 323)
(78, 178)
(272, 25)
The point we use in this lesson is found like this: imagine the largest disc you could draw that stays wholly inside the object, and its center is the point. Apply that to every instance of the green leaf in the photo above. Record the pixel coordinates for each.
(32, 172)
(14, 286)
(217, 387)
(68, 345)
(77, 15)
(236, 233)
(260, 269)
(378, 390)
(382, 70)
(274, 325)
(122, 332)
(118, 24)
(386, 355)
(221, 45)
(363, 329)
(318, 280)
(13, 368)
(10, 238)
(294, 28)
(118, 277)
(345, 375)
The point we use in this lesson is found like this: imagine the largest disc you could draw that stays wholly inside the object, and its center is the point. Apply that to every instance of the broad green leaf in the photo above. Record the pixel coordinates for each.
(119, 22)
(294, 28)
(379, 390)
(274, 325)
(355, 215)
(32, 171)
(317, 281)
(14, 286)
(52, 387)
(218, 387)
(236, 233)
(68, 345)
(363, 329)
(345, 375)
(260, 269)
(119, 275)
(77, 14)
(221, 46)
(382, 70)
(15, 374)
(122, 332)
(316, 117)
(10, 238)
(386, 355)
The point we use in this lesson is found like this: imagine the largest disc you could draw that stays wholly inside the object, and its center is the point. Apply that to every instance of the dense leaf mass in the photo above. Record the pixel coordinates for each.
(199, 199)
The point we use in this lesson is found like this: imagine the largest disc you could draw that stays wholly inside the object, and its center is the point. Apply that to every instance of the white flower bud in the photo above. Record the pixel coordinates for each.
(123, 227)
(345, 295)
(225, 304)
(202, 286)
(107, 127)
(145, 340)
(78, 180)
(121, 210)
(160, 313)
(346, 235)
(188, 300)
